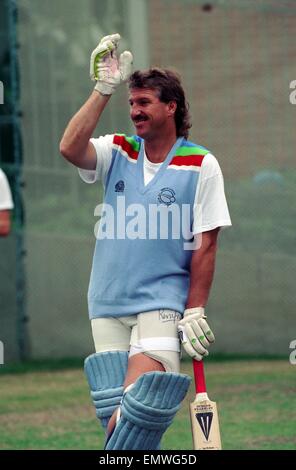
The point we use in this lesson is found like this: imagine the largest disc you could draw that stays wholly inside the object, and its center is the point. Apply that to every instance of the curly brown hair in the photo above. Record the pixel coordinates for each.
(168, 85)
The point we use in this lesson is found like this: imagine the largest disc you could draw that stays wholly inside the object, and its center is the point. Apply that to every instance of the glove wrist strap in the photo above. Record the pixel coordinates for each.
(194, 310)
(104, 89)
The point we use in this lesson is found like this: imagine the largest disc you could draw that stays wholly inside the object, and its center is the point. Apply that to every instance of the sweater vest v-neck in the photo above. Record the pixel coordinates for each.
(143, 252)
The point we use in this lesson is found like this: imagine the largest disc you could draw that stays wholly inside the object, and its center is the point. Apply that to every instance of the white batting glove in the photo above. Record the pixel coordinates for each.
(106, 69)
(195, 334)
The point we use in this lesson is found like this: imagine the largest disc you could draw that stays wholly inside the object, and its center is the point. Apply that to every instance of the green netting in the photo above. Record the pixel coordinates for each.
(237, 59)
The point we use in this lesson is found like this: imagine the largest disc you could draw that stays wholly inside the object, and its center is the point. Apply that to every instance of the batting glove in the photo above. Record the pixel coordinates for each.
(106, 69)
(195, 334)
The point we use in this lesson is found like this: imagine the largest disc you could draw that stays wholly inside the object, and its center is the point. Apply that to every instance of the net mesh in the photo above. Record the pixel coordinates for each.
(236, 62)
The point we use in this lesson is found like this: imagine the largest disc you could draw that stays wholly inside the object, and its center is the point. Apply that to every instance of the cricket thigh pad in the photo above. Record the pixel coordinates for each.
(147, 410)
(105, 373)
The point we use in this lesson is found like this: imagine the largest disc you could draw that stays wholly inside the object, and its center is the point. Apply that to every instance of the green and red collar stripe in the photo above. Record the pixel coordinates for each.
(128, 144)
(186, 155)
(189, 155)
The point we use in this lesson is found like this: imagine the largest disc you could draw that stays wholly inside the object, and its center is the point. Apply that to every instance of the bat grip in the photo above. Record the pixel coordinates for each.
(199, 376)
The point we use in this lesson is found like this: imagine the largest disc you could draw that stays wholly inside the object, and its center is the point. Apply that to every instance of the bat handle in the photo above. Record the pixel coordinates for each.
(199, 376)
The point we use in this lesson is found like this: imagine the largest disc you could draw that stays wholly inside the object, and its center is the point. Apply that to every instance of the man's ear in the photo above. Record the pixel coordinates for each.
(172, 106)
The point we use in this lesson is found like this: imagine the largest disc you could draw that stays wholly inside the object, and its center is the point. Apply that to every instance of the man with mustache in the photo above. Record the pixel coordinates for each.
(145, 290)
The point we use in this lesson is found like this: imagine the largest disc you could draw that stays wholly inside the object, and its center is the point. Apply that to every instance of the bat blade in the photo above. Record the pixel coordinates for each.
(204, 415)
(205, 425)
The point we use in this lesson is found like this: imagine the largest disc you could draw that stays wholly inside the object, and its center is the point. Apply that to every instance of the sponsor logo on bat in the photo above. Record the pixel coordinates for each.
(205, 422)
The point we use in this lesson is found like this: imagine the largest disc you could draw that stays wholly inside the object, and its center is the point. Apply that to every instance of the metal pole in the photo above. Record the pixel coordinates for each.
(137, 17)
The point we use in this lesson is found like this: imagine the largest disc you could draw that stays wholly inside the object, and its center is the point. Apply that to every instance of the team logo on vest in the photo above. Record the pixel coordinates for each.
(119, 187)
(166, 196)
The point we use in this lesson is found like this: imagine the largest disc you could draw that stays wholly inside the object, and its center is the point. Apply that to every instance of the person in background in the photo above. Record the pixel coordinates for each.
(6, 205)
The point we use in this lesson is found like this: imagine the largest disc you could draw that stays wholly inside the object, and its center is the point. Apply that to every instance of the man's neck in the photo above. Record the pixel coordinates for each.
(158, 148)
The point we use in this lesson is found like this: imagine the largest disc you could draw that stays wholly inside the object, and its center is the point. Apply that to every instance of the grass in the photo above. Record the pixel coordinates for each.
(48, 406)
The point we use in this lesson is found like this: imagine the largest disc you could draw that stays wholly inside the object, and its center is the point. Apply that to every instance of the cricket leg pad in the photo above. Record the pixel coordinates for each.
(148, 408)
(105, 373)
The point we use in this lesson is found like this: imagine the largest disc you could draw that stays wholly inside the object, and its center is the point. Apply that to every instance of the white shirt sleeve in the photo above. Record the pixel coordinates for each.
(210, 207)
(5, 193)
(103, 148)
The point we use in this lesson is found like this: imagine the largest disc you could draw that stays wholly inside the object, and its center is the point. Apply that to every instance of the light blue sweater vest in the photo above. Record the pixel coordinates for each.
(140, 262)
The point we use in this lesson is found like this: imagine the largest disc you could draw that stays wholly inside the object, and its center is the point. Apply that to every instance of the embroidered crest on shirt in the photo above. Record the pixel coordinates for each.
(119, 187)
(166, 196)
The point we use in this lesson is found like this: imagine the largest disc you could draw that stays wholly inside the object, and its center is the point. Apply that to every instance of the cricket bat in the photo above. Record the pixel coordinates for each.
(203, 414)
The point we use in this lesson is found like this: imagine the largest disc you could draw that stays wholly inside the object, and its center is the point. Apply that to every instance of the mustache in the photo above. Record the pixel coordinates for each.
(139, 118)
